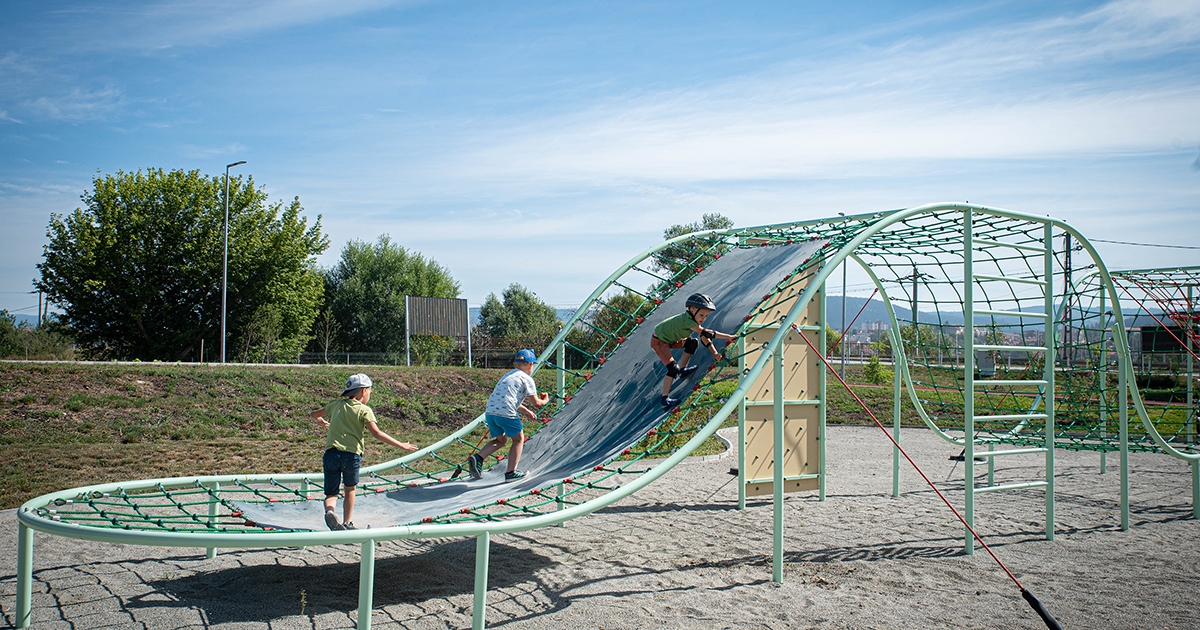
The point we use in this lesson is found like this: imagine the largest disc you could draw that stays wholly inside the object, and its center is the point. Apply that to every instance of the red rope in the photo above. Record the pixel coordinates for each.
(910, 460)
(1160, 322)
(845, 329)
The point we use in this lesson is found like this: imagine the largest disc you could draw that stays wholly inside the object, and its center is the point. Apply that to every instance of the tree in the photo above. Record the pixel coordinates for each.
(10, 338)
(521, 316)
(137, 270)
(680, 260)
(365, 292)
(683, 254)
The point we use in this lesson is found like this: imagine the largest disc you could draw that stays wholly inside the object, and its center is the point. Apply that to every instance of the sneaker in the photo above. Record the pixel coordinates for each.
(667, 402)
(473, 466)
(687, 371)
(332, 522)
(516, 474)
(349, 525)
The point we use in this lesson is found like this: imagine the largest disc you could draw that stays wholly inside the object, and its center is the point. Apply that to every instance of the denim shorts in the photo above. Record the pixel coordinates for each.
(341, 468)
(498, 425)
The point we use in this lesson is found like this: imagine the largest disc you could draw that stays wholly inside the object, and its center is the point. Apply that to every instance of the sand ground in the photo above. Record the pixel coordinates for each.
(680, 555)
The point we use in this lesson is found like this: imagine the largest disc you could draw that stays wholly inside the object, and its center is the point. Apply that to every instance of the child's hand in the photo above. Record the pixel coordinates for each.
(324, 423)
(408, 446)
(544, 398)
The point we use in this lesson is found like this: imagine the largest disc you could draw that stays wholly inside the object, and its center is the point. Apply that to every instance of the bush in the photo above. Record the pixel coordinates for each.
(876, 373)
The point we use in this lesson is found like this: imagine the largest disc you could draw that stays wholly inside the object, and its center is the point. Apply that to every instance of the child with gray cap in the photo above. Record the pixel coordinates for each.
(347, 418)
(503, 415)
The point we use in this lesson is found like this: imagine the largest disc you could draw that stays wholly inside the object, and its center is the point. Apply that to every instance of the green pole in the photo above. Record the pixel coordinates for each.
(821, 384)
(24, 574)
(366, 584)
(482, 549)
(1048, 367)
(741, 350)
(213, 504)
(1123, 412)
(1103, 384)
(896, 384)
(559, 492)
(777, 365)
(561, 377)
(968, 380)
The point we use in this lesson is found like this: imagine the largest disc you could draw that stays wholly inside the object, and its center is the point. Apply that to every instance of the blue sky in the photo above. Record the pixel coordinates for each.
(547, 143)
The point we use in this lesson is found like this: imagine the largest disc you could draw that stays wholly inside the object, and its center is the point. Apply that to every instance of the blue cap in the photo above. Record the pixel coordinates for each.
(525, 356)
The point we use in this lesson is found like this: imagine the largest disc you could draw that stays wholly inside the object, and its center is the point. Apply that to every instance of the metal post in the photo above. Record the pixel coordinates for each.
(468, 307)
(896, 383)
(407, 336)
(225, 259)
(560, 491)
(24, 575)
(366, 584)
(1103, 367)
(822, 389)
(777, 558)
(213, 504)
(561, 378)
(1123, 411)
(1048, 367)
(968, 376)
(845, 327)
(741, 352)
(479, 612)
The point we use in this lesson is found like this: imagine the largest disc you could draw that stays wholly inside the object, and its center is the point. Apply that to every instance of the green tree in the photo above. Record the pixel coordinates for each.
(137, 270)
(521, 316)
(682, 255)
(10, 338)
(365, 292)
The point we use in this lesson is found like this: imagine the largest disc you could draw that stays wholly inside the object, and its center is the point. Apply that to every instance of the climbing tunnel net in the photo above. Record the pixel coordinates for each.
(917, 262)
(210, 505)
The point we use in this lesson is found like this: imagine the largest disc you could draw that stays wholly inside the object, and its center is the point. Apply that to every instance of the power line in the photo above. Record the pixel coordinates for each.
(1147, 244)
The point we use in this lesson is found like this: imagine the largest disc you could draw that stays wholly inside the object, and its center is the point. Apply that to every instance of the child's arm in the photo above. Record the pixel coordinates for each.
(706, 337)
(528, 413)
(540, 400)
(387, 439)
(319, 416)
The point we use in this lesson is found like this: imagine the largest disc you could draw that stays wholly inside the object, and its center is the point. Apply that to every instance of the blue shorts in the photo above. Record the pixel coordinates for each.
(498, 425)
(341, 468)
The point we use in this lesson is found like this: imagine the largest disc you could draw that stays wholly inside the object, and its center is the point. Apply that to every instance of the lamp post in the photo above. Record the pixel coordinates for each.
(225, 265)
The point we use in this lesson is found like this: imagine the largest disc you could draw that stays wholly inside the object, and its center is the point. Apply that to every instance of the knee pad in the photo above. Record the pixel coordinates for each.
(691, 345)
(673, 369)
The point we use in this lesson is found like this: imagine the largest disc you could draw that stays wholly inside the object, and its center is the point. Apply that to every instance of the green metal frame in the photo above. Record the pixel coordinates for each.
(844, 236)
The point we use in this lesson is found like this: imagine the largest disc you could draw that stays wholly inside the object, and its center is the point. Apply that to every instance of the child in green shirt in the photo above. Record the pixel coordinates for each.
(675, 332)
(347, 418)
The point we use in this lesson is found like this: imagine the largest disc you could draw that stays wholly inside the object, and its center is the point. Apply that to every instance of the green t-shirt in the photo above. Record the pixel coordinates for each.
(673, 329)
(348, 419)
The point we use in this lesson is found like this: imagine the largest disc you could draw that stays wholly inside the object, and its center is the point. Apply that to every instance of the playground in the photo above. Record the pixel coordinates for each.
(679, 554)
(1025, 372)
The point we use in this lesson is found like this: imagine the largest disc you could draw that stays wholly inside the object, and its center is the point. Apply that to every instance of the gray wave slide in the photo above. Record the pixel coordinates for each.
(615, 409)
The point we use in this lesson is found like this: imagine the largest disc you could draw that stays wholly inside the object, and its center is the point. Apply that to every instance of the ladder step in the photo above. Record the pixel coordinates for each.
(1033, 281)
(1010, 348)
(1002, 383)
(768, 403)
(1015, 451)
(1012, 486)
(982, 311)
(1022, 246)
(1012, 416)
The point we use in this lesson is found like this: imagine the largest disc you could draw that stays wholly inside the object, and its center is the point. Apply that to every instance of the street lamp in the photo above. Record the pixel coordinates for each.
(225, 266)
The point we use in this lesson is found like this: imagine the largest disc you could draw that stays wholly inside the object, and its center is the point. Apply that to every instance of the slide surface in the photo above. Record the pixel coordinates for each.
(610, 413)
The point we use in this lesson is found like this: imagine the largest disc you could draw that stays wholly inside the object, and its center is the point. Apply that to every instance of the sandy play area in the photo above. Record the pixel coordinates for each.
(680, 555)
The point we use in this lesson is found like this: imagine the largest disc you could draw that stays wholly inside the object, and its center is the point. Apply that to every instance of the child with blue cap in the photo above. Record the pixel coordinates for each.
(504, 408)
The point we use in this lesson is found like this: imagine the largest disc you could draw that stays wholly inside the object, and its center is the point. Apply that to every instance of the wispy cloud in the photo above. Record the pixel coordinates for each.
(78, 104)
(235, 149)
(6, 118)
(1021, 91)
(161, 25)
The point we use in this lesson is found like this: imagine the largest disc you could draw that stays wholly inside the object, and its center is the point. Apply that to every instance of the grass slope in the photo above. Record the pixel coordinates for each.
(68, 425)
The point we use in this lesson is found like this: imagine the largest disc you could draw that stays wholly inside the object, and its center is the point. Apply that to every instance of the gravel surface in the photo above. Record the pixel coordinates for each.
(681, 555)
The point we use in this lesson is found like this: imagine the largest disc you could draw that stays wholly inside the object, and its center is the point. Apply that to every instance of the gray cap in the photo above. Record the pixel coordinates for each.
(355, 383)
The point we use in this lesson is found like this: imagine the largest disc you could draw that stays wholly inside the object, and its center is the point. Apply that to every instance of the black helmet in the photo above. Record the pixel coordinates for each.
(701, 300)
